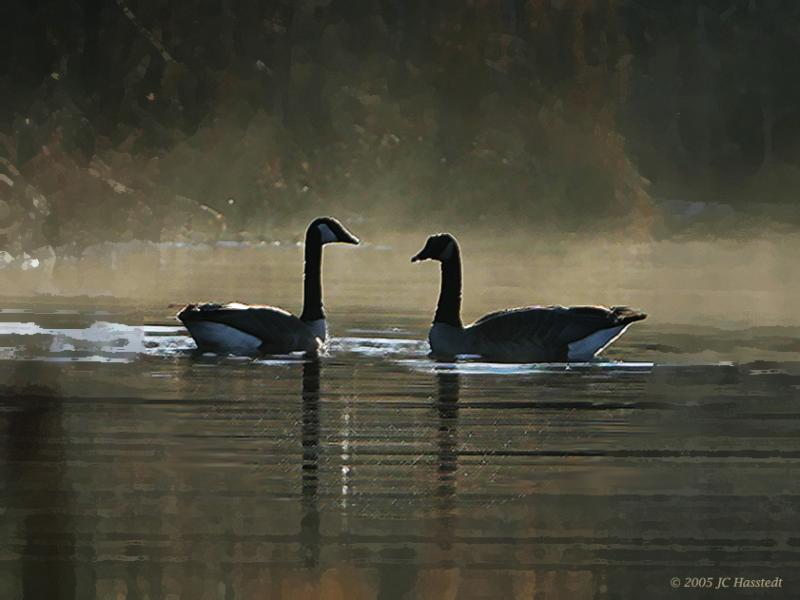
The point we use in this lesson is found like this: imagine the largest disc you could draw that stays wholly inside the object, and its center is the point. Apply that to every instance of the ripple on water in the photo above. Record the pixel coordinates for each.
(100, 341)
(378, 346)
(474, 366)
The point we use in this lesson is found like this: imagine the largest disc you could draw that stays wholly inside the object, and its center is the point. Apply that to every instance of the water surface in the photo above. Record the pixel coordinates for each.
(133, 468)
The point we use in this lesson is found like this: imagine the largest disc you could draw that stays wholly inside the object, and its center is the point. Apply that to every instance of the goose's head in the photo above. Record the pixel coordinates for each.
(441, 247)
(329, 230)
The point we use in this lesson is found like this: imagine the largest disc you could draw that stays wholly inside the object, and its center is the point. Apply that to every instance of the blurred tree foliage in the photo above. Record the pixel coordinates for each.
(155, 119)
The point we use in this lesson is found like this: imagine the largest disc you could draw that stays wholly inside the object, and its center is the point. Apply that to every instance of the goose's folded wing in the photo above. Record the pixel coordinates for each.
(267, 323)
(550, 326)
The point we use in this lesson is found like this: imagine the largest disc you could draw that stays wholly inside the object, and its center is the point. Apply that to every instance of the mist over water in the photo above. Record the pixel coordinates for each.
(721, 282)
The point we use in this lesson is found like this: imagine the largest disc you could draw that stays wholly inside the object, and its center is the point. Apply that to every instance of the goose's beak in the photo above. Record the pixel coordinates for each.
(349, 238)
(418, 256)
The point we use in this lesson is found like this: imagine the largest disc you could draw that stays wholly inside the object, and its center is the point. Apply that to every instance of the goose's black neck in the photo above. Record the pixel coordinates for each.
(449, 308)
(312, 278)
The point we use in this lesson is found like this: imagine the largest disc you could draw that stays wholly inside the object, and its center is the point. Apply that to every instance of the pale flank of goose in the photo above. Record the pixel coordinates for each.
(241, 329)
(530, 334)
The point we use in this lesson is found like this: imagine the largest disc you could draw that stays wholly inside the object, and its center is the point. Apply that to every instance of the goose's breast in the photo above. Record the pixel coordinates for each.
(447, 340)
(319, 329)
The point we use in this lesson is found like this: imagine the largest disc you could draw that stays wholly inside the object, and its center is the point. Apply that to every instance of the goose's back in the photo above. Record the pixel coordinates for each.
(542, 333)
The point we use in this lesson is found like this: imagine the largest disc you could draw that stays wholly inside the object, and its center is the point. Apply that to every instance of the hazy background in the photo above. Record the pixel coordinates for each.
(216, 119)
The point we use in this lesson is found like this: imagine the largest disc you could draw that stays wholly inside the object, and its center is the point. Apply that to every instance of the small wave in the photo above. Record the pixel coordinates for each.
(378, 346)
(468, 366)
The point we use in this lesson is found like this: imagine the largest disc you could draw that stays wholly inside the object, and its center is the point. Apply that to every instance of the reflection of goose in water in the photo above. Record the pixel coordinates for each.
(309, 521)
(443, 583)
(241, 329)
(317, 579)
(530, 334)
(447, 446)
(424, 576)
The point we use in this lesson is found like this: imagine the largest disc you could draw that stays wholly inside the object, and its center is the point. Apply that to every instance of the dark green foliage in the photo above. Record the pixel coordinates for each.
(213, 118)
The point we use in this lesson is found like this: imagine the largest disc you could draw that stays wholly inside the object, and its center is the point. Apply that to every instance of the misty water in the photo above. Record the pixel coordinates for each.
(134, 468)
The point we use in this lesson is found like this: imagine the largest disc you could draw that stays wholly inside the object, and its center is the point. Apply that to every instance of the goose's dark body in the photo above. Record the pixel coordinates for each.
(536, 333)
(272, 329)
(241, 329)
(528, 334)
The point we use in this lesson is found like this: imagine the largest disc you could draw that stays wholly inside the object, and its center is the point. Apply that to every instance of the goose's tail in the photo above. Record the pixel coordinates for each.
(625, 315)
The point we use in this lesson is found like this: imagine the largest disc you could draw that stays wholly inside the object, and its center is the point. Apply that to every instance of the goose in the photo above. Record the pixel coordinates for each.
(236, 328)
(528, 334)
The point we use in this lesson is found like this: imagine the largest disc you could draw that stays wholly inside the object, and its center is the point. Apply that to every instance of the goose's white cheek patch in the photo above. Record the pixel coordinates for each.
(326, 234)
(447, 252)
